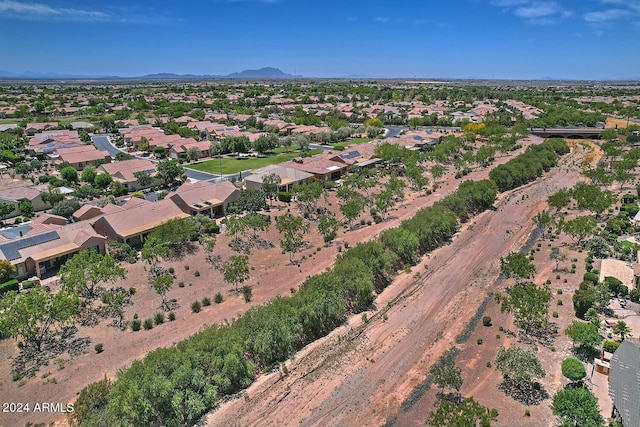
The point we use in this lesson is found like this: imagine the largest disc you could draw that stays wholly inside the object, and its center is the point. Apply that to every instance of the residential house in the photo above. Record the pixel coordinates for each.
(203, 197)
(17, 191)
(125, 171)
(48, 142)
(33, 128)
(39, 250)
(82, 156)
(133, 225)
(181, 147)
(322, 169)
(288, 177)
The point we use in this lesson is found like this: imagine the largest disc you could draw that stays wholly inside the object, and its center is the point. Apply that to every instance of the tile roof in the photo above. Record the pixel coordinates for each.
(624, 382)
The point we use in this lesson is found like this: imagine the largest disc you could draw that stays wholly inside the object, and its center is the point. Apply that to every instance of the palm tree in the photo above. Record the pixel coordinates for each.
(621, 328)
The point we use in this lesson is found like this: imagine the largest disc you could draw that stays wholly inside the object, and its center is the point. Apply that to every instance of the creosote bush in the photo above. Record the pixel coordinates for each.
(196, 307)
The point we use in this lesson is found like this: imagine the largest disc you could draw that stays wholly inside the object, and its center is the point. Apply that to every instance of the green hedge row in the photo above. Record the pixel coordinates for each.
(10, 285)
(529, 165)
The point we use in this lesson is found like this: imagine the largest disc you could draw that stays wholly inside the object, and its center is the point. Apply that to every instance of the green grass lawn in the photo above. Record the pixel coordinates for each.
(359, 140)
(230, 165)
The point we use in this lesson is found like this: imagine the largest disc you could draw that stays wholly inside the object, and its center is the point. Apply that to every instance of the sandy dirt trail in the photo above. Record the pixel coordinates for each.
(361, 374)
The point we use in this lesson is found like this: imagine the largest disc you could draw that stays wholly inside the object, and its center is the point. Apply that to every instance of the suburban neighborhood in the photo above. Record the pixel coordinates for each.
(418, 249)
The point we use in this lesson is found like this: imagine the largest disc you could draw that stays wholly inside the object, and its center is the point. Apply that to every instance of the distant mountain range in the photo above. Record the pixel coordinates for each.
(262, 73)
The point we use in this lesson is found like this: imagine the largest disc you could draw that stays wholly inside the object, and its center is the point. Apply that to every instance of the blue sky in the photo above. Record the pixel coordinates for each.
(513, 39)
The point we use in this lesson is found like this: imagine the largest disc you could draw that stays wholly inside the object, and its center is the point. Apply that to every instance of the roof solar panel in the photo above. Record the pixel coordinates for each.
(350, 155)
(11, 250)
(418, 138)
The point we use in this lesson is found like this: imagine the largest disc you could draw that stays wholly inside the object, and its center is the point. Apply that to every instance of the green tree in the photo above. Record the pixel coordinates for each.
(89, 409)
(88, 175)
(103, 180)
(437, 171)
(6, 208)
(577, 406)
(416, 177)
(66, 208)
(69, 174)
(621, 328)
(519, 365)
(152, 251)
(257, 222)
(192, 154)
(252, 200)
(517, 266)
(7, 270)
(52, 196)
(383, 202)
(584, 334)
(234, 225)
(302, 141)
(35, 316)
(26, 208)
(169, 171)
(308, 194)
(446, 374)
(270, 185)
(396, 186)
(560, 199)
(144, 179)
(468, 413)
(161, 284)
(83, 274)
(592, 198)
(580, 228)
(529, 305)
(328, 227)
(236, 270)
(114, 301)
(352, 209)
(557, 256)
(573, 369)
(402, 242)
(293, 229)
(543, 220)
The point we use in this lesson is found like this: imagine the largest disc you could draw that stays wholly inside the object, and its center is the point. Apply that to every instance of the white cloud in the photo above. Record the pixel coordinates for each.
(39, 11)
(508, 3)
(606, 15)
(535, 12)
(539, 10)
(382, 19)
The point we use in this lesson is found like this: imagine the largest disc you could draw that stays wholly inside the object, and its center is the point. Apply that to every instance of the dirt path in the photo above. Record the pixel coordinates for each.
(362, 373)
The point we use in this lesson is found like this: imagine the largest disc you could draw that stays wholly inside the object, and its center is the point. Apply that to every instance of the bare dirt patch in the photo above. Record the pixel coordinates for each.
(363, 373)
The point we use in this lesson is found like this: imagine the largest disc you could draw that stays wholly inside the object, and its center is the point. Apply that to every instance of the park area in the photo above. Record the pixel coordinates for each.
(229, 165)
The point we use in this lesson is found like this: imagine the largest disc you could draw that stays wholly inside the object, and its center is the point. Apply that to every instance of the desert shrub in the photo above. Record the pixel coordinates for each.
(158, 318)
(486, 320)
(195, 307)
(197, 274)
(479, 341)
(148, 324)
(98, 348)
(206, 302)
(573, 369)
(135, 325)
(246, 293)
(590, 277)
(284, 197)
(172, 316)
